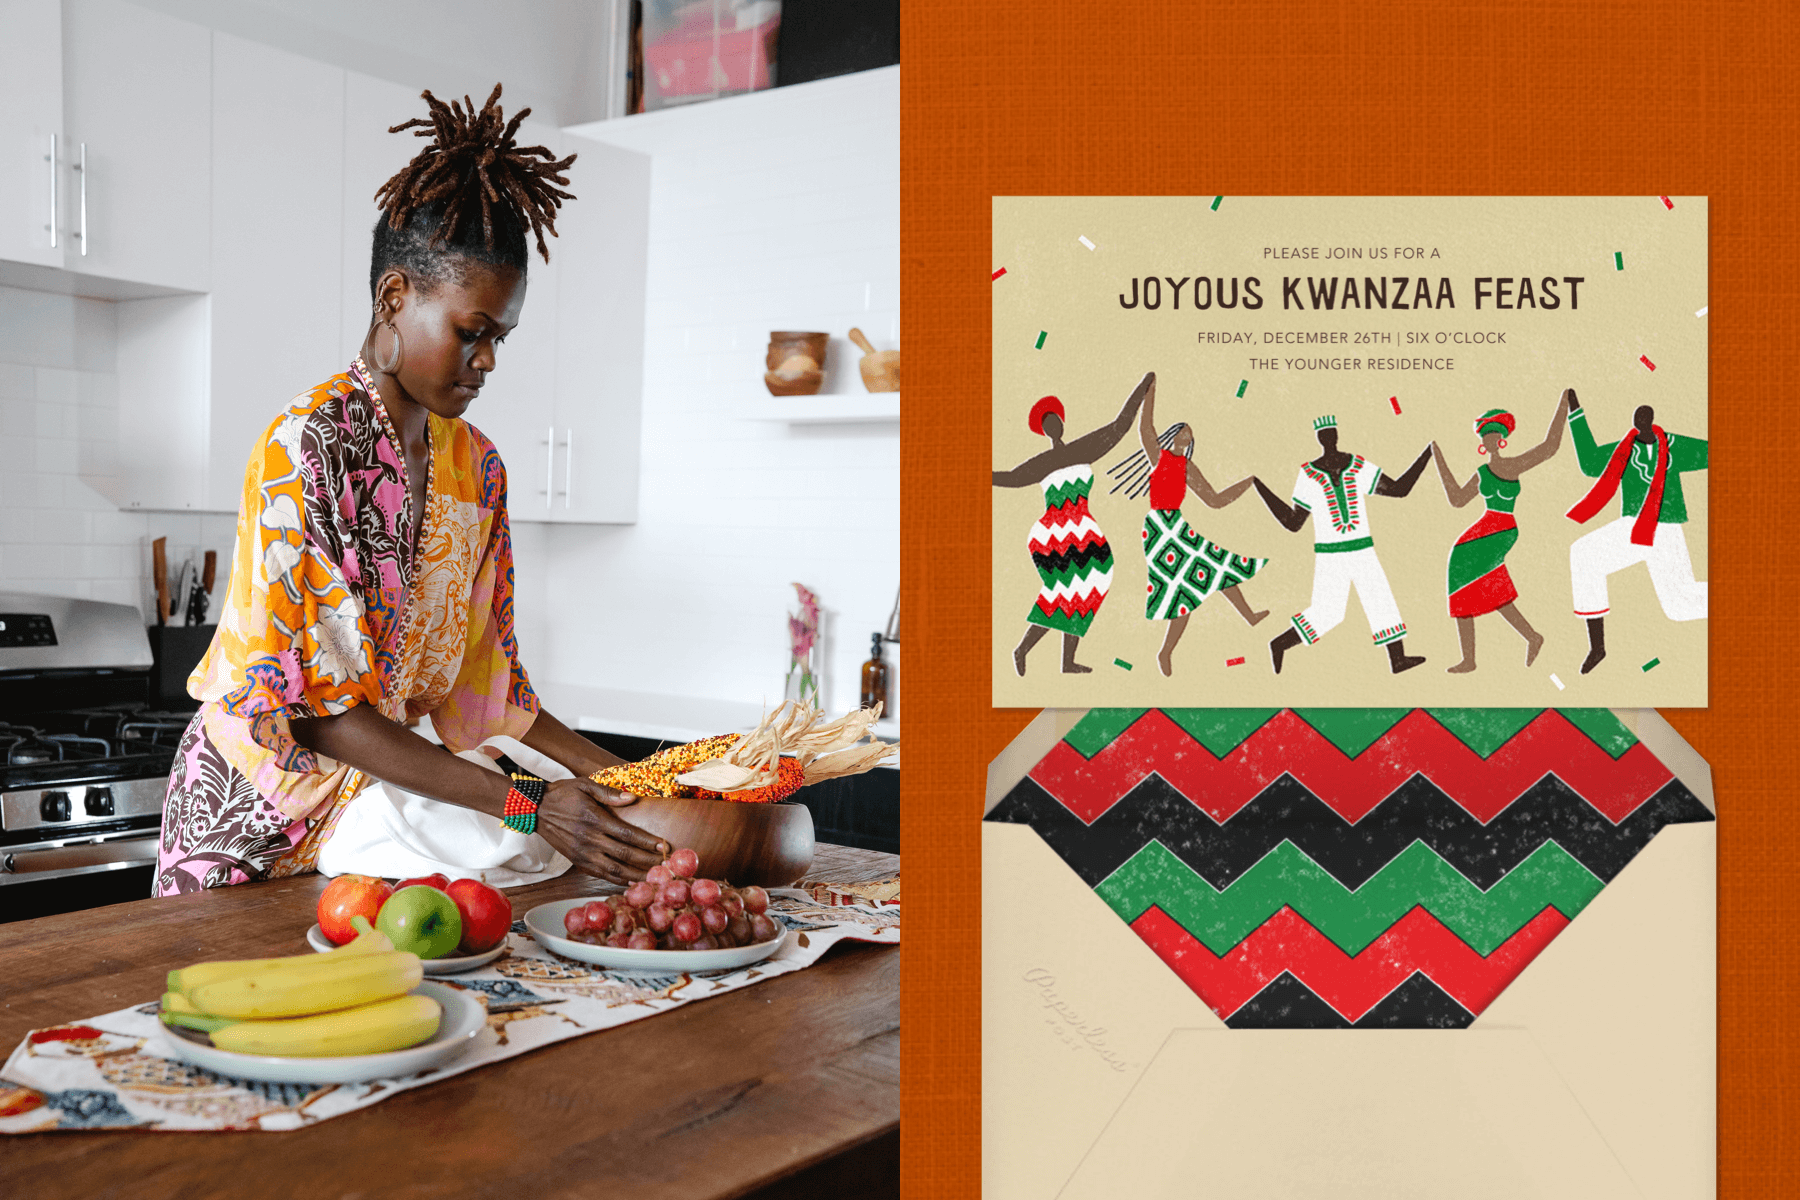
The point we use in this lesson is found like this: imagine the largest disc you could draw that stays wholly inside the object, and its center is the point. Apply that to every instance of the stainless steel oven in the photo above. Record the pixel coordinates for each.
(84, 760)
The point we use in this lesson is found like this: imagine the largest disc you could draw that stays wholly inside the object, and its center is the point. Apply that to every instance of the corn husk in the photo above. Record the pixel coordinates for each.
(826, 749)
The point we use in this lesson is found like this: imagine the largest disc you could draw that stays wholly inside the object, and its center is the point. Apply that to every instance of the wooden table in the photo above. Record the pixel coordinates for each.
(791, 1085)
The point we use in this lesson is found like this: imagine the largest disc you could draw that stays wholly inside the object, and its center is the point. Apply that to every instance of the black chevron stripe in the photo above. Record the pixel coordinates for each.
(1079, 556)
(1417, 810)
(1286, 1003)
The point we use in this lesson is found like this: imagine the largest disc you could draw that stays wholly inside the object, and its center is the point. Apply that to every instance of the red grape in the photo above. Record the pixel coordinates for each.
(640, 893)
(762, 927)
(643, 939)
(740, 930)
(599, 914)
(659, 874)
(704, 943)
(622, 922)
(706, 891)
(618, 941)
(684, 862)
(686, 927)
(661, 916)
(674, 893)
(755, 899)
(575, 920)
(733, 904)
(714, 918)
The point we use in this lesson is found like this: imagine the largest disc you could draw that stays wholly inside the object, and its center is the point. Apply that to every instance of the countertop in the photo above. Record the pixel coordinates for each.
(714, 1099)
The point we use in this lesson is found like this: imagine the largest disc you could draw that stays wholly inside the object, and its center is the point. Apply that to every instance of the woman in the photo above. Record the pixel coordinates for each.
(1184, 567)
(372, 580)
(1478, 581)
(1074, 563)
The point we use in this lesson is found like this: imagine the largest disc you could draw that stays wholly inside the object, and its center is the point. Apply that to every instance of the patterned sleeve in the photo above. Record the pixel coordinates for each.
(1371, 477)
(492, 695)
(1304, 491)
(306, 649)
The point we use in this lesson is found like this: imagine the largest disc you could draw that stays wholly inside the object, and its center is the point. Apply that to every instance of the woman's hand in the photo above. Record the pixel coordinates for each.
(576, 818)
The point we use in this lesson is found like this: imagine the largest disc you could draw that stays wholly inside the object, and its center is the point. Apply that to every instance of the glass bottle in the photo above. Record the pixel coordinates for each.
(875, 676)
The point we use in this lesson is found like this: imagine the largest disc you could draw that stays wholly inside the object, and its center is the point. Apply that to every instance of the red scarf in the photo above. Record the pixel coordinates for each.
(1643, 531)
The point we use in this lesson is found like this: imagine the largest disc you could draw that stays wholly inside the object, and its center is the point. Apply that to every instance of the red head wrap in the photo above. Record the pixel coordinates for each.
(1042, 409)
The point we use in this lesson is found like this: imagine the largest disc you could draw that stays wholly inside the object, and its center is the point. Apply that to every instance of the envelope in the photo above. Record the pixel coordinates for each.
(1591, 1075)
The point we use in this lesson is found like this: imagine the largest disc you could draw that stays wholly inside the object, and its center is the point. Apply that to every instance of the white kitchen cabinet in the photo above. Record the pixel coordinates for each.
(136, 93)
(276, 247)
(602, 254)
(30, 116)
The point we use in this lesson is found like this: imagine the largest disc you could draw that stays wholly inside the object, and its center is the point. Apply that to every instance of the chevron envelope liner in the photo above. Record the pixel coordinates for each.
(1348, 868)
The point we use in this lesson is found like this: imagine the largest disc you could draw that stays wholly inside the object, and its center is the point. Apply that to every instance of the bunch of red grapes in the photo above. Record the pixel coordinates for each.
(671, 910)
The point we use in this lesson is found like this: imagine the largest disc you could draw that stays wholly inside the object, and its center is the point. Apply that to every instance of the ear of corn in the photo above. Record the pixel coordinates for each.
(791, 747)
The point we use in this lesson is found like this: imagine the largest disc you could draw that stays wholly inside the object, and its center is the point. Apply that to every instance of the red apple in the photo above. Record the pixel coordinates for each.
(350, 896)
(439, 881)
(486, 915)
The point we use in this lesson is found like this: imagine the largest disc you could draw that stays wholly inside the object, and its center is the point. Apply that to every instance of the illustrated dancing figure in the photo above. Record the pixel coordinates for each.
(1073, 561)
(1339, 485)
(1646, 465)
(1184, 567)
(1478, 581)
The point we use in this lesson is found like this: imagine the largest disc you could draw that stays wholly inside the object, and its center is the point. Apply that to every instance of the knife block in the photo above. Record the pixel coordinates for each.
(177, 650)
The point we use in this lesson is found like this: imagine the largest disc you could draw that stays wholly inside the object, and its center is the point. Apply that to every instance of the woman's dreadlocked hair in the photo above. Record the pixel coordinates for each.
(470, 194)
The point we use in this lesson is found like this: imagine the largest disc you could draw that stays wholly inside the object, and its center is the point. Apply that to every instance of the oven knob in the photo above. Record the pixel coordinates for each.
(55, 806)
(99, 802)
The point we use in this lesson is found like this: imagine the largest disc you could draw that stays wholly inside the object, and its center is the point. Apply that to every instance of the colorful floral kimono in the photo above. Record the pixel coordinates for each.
(332, 605)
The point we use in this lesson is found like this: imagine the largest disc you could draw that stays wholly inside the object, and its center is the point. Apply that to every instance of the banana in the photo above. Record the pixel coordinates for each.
(319, 983)
(201, 1021)
(368, 940)
(392, 1024)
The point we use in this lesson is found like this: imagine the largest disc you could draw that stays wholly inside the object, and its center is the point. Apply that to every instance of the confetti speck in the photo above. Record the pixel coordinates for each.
(1651, 663)
(1641, 358)
(1242, 385)
(1119, 662)
(1557, 682)
(1044, 333)
(1395, 401)
(1234, 662)
(1702, 312)
(999, 273)
(1215, 203)
(1083, 240)
(1618, 260)
(1667, 203)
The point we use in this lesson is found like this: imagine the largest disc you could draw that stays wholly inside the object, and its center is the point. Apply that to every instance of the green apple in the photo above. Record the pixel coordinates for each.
(421, 919)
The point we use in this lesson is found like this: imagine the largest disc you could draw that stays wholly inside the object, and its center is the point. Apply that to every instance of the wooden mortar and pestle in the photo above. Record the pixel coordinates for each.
(795, 362)
(880, 368)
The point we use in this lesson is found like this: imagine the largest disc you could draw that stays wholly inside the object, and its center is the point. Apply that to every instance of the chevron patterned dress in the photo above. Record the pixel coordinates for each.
(1071, 554)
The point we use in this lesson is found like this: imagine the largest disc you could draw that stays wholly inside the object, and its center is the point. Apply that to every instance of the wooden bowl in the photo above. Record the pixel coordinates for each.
(770, 845)
(881, 371)
(784, 345)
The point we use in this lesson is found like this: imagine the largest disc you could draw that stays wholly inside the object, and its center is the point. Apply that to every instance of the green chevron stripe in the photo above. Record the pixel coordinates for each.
(1220, 730)
(1352, 730)
(1095, 731)
(1484, 730)
(1351, 919)
(1063, 494)
(1609, 733)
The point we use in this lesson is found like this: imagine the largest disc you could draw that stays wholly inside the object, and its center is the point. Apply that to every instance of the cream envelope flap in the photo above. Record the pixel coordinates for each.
(1592, 1075)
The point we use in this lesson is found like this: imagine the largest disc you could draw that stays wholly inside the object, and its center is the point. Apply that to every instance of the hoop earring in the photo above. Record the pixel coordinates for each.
(1481, 449)
(1502, 440)
(388, 368)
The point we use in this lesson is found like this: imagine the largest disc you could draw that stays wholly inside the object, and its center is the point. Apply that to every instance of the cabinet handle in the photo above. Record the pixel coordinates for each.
(549, 466)
(52, 226)
(82, 167)
(569, 470)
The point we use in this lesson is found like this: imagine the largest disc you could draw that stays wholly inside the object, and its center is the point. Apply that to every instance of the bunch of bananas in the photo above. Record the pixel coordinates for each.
(352, 1000)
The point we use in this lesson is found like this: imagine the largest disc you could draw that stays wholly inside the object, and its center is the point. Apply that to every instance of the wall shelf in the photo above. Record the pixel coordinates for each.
(874, 408)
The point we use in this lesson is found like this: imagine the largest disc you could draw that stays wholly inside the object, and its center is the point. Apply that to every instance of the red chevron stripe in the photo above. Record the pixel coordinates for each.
(1062, 545)
(1286, 942)
(1351, 786)
(1069, 510)
(1073, 606)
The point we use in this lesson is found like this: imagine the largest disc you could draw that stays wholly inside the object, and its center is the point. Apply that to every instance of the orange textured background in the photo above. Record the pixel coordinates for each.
(1568, 98)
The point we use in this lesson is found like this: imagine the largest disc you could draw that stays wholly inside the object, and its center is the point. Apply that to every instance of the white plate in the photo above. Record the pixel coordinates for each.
(464, 1017)
(546, 925)
(315, 937)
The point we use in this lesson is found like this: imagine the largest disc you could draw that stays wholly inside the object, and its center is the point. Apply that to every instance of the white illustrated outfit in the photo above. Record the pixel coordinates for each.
(1594, 556)
(1344, 553)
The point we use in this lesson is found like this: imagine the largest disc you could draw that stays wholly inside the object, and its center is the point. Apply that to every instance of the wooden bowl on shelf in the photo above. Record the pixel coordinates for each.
(796, 363)
(770, 845)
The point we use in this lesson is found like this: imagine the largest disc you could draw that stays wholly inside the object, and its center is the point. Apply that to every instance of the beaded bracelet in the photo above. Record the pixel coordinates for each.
(522, 802)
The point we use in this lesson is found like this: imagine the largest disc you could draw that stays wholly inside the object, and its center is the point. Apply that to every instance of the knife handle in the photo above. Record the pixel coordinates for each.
(159, 567)
(210, 571)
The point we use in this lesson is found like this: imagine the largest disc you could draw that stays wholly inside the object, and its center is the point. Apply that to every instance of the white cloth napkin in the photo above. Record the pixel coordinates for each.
(392, 832)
